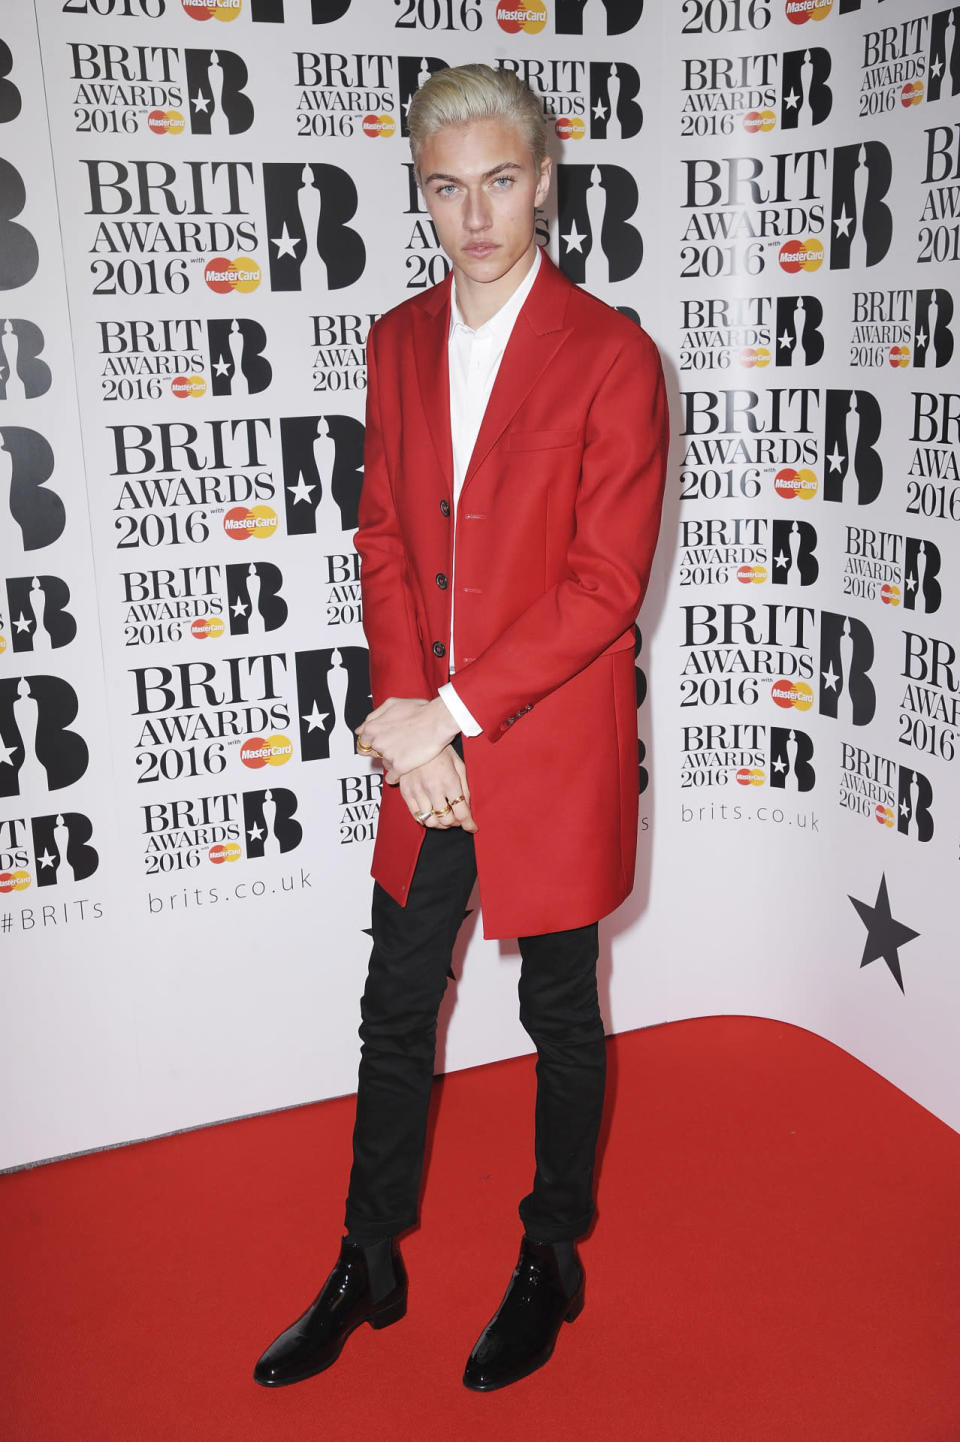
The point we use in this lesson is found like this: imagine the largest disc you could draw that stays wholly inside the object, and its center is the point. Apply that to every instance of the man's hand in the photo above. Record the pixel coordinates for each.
(406, 733)
(440, 785)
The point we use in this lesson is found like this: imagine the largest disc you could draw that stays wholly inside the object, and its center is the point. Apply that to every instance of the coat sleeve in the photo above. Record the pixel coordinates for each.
(389, 610)
(617, 519)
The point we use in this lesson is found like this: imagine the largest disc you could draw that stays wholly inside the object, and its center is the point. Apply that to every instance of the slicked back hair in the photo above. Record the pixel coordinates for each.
(464, 93)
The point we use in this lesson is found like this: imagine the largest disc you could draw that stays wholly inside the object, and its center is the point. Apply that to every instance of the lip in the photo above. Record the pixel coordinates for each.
(480, 249)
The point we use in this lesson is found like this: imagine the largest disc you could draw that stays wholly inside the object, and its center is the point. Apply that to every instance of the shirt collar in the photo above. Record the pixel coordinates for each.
(501, 322)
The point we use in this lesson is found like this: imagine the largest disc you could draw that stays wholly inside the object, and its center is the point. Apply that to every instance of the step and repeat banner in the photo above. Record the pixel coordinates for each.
(203, 209)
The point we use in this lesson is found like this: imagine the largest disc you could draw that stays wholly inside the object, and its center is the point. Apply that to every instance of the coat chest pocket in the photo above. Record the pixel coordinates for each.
(540, 440)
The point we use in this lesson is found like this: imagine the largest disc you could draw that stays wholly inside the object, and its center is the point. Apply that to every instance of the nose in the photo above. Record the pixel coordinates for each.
(476, 215)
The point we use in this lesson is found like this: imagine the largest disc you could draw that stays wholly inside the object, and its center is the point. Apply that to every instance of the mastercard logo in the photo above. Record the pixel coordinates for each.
(188, 387)
(798, 12)
(206, 626)
(884, 815)
(375, 125)
(222, 851)
(750, 776)
(792, 693)
(899, 356)
(223, 275)
(242, 522)
(570, 127)
(748, 575)
(911, 94)
(752, 356)
(797, 255)
(166, 122)
(795, 485)
(14, 881)
(890, 595)
(213, 9)
(530, 18)
(274, 751)
(757, 120)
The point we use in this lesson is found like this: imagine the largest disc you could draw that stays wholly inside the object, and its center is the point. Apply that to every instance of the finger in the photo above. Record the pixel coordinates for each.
(448, 816)
(421, 809)
(463, 809)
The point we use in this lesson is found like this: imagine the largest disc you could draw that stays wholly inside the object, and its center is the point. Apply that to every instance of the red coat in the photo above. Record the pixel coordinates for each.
(555, 532)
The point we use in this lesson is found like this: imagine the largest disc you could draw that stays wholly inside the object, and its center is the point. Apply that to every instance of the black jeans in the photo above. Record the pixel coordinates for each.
(412, 947)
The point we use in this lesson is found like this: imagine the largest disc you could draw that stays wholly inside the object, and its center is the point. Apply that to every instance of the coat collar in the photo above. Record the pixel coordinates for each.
(537, 335)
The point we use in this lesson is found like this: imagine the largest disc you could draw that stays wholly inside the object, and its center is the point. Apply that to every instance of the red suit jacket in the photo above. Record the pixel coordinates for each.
(555, 532)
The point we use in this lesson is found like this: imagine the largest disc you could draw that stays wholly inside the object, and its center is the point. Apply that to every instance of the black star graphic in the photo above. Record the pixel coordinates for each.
(368, 931)
(884, 935)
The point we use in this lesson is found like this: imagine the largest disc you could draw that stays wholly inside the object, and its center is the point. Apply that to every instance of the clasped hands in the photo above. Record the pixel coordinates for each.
(412, 739)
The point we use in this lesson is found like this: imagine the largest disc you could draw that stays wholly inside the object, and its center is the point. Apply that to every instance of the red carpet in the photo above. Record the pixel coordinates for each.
(777, 1259)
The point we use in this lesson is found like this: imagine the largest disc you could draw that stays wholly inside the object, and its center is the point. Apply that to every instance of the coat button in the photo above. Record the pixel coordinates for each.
(444, 508)
(441, 581)
(439, 649)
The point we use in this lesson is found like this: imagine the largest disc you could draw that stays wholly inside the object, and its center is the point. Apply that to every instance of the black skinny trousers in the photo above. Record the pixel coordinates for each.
(412, 947)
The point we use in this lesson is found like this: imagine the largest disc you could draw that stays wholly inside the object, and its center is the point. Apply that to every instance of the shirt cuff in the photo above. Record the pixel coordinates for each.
(458, 711)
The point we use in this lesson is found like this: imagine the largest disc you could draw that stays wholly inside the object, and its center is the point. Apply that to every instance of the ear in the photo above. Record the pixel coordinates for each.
(543, 184)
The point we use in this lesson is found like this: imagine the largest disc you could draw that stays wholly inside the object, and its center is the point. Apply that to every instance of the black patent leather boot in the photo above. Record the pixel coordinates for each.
(522, 1334)
(317, 1338)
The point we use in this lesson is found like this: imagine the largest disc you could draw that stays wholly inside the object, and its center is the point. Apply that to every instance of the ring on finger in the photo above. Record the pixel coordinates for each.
(455, 800)
(423, 816)
(445, 812)
(364, 749)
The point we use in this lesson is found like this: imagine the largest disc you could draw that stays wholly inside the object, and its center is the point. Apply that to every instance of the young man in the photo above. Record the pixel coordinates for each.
(515, 452)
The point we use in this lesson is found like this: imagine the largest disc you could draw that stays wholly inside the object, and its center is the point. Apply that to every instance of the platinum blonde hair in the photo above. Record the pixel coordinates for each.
(464, 93)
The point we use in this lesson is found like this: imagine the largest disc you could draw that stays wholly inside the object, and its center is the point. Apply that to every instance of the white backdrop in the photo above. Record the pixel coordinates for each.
(202, 209)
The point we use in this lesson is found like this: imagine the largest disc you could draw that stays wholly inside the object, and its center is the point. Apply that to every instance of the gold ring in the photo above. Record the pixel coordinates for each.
(455, 799)
(423, 816)
(363, 748)
(445, 812)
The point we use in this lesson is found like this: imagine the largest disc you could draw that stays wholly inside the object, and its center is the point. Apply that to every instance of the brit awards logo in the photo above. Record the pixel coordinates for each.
(238, 365)
(333, 690)
(944, 58)
(312, 245)
(19, 256)
(748, 753)
(50, 850)
(893, 569)
(32, 515)
(898, 798)
(23, 375)
(599, 244)
(799, 339)
(38, 749)
(39, 619)
(861, 221)
(219, 105)
(846, 655)
(255, 604)
(805, 97)
(412, 72)
(220, 829)
(854, 468)
(899, 328)
(322, 473)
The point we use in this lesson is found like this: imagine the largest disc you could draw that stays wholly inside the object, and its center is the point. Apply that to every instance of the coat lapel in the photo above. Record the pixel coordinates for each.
(536, 337)
(430, 338)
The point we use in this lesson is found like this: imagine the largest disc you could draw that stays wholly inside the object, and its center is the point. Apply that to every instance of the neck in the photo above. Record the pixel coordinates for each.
(477, 301)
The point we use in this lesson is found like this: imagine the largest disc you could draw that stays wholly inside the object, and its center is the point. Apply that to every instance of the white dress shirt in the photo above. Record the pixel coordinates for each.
(473, 359)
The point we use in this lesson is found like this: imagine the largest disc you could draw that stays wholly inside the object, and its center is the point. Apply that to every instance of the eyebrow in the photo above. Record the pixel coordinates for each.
(504, 165)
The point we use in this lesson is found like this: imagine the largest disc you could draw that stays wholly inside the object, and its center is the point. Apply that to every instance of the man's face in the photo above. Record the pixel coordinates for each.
(480, 187)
